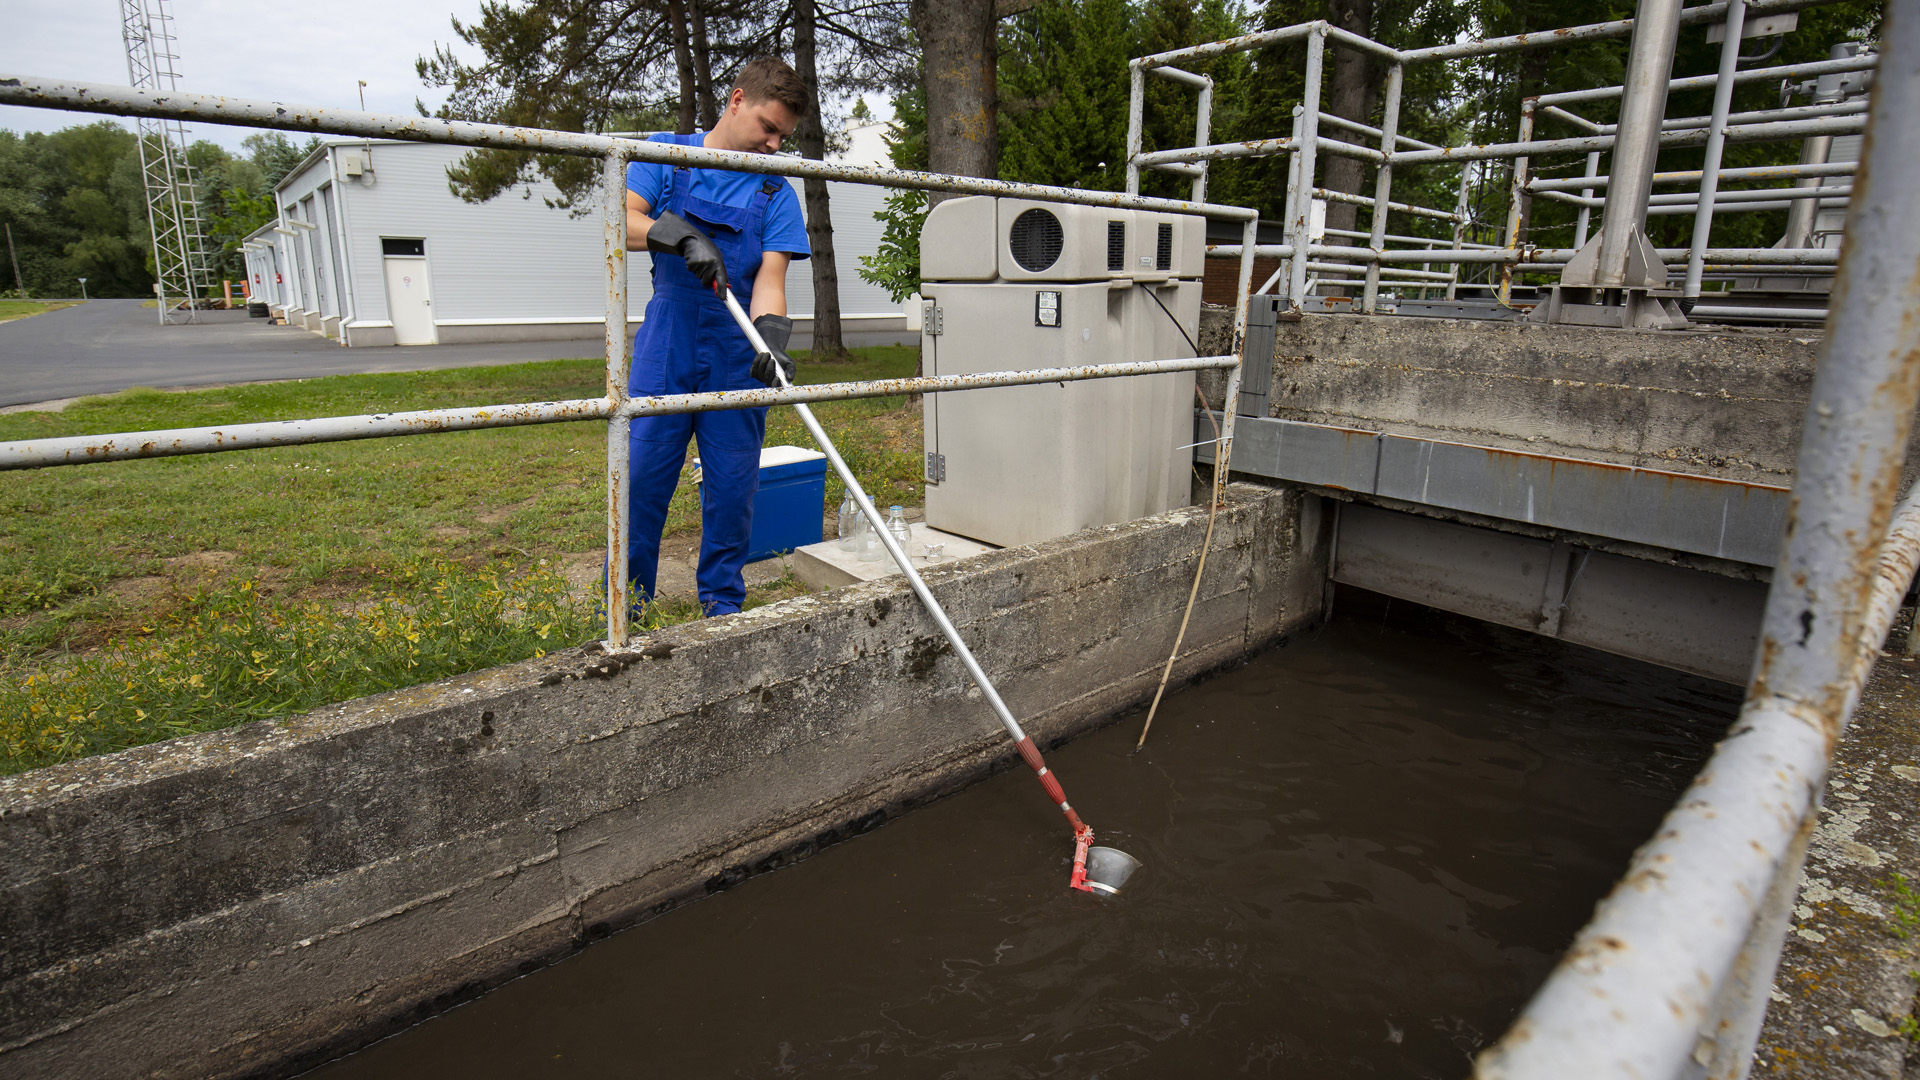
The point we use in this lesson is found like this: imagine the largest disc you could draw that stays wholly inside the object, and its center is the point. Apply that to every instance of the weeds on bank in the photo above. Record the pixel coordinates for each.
(230, 656)
(1906, 906)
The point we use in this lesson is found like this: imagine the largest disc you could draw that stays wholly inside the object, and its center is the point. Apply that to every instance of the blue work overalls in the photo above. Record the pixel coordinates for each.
(689, 343)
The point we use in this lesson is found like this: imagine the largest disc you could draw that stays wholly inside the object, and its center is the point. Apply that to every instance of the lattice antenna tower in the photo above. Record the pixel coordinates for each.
(173, 208)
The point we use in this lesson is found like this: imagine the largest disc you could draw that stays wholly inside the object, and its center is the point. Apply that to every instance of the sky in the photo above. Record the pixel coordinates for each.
(242, 49)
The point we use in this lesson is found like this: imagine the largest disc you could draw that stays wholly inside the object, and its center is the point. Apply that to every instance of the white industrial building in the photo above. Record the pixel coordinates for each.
(372, 247)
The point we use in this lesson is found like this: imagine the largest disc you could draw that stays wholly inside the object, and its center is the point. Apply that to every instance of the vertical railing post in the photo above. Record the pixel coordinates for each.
(1229, 405)
(1716, 142)
(1580, 223)
(1636, 145)
(1136, 104)
(1300, 218)
(1383, 182)
(1288, 198)
(1203, 136)
(1462, 207)
(613, 179)
(1517, 202)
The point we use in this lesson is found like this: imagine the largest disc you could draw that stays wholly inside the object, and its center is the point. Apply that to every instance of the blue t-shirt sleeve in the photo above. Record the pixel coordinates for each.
(785, 230)
(649, 179)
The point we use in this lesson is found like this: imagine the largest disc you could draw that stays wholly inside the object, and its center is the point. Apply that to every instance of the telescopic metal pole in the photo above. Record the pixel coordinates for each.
(1029, 753)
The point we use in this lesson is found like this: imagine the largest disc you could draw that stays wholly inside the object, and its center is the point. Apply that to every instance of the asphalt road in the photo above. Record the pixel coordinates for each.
(105, 346)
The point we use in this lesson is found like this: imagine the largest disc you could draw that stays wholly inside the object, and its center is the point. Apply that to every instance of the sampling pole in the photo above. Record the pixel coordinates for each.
(1082, 835)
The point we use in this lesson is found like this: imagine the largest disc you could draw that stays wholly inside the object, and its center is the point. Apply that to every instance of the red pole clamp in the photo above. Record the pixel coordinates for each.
(1081, 838)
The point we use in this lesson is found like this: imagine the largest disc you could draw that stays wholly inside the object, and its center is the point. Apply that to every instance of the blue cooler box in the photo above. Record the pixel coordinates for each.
(791, 502)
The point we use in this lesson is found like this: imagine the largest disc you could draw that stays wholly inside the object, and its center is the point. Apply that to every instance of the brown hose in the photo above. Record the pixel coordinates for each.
(1213, 511)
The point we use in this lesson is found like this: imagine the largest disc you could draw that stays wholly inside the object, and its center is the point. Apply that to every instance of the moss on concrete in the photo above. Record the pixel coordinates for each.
(1843, 999)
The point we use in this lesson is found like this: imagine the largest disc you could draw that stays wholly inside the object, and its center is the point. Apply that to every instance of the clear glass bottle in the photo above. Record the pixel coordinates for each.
(868, 543)
(897, 527)
(851, 522)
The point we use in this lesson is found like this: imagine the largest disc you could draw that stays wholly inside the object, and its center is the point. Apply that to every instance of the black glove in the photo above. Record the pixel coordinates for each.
(775, 330)
(671, 234)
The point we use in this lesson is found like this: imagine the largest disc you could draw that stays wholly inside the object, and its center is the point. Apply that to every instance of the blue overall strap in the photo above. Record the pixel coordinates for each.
(682, 183)
(761, 203)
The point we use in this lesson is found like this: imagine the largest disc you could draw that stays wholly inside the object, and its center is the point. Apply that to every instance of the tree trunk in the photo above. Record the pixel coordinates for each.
(812, 136)
(702, 66)
(1352, 96)
(683, 60)
(957, 37)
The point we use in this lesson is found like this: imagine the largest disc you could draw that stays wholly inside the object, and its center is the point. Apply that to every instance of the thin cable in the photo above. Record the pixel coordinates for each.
(1213, 511)
(1170, 318)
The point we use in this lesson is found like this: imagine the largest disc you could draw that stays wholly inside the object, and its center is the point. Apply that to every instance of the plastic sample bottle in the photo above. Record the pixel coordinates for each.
(851, 522)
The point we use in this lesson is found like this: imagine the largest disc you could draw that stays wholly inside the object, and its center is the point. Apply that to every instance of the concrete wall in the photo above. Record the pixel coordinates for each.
(1712, 402)
(253, 900)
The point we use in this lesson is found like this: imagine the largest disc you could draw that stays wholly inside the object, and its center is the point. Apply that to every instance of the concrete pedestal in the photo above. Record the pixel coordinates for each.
(825, 566)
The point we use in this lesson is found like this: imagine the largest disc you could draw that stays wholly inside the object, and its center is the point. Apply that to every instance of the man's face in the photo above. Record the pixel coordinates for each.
(756, 127)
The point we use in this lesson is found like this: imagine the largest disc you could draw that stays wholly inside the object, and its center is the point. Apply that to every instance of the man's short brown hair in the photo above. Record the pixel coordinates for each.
(768, 78)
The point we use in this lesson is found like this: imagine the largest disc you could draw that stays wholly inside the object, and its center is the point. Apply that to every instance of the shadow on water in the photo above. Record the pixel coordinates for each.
(1363, 852)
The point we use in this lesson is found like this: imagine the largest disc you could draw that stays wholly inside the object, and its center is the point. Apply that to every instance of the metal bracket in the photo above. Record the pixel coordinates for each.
(931, 319)
(936, 467)
(1256, 369)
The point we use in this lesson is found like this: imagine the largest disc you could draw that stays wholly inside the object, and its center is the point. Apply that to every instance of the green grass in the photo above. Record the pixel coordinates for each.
(20, 309)
(227, 656)
(96, 560)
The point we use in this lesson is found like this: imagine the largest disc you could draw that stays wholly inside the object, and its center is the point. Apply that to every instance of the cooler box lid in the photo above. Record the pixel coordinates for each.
(783, 463)
(786, 462)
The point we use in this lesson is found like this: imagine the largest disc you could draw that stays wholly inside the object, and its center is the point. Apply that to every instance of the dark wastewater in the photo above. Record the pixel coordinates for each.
(1363, 853)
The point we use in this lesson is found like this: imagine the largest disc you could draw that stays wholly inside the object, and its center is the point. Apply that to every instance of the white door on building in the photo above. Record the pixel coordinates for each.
(409, 296)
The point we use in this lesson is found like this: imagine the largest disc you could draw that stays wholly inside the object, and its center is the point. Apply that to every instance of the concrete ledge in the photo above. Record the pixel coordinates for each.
(1711, 402)
(363, 336)
(253, 900)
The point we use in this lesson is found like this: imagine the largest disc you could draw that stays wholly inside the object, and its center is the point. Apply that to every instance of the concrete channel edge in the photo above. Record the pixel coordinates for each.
(253, 901)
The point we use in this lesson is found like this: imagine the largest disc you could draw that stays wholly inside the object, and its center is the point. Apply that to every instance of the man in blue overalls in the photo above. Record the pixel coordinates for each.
(708, 229)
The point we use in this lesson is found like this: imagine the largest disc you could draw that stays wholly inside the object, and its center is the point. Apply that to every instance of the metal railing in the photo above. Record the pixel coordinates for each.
(1671, 978)
(615, 408)
(1308, 142)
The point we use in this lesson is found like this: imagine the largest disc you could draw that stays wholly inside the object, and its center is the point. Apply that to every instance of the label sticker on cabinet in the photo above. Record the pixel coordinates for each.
(1046, 308)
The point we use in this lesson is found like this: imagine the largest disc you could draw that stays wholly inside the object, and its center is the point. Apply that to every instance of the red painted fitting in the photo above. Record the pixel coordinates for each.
(1030, 753)
(1053, 788)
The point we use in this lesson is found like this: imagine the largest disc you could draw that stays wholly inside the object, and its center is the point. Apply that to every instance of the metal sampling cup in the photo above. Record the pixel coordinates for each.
(1108, 869)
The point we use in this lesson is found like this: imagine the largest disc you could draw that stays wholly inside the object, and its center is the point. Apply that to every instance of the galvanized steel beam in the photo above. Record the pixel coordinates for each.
(87, 449)
(1757, 172)
(1701, 82)
(1703, 515)
(45, 93)
(1764, 132)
